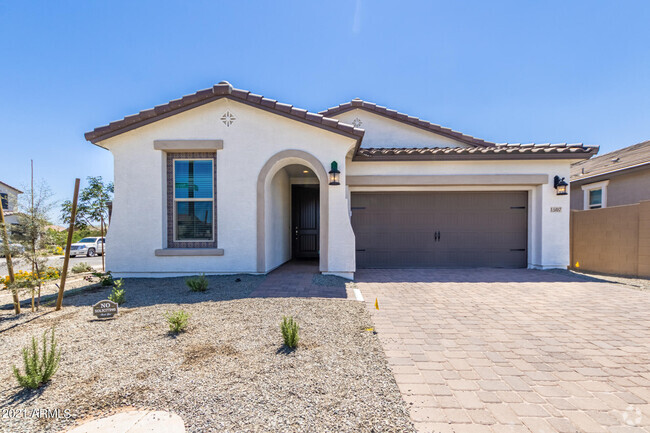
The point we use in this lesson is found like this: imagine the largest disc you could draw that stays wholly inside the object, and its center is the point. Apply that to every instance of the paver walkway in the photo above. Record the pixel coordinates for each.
(488, 350)
(296, 279)
(136, 421)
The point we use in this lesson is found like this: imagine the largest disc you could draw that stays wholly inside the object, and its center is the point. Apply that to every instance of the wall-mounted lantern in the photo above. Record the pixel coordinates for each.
(560, 185)
(334, 174)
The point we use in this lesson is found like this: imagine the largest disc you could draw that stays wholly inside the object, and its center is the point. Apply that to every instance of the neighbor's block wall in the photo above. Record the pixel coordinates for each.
(644, 239)
(614, 240)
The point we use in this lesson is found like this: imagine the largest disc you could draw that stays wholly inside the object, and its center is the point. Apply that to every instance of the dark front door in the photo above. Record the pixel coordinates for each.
(305, 219)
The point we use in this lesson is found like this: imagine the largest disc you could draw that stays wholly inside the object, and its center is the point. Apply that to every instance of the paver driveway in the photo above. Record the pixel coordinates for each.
(490, 350)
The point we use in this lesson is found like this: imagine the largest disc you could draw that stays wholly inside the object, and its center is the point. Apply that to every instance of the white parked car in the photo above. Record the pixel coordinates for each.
(13, 249)
(89, 247)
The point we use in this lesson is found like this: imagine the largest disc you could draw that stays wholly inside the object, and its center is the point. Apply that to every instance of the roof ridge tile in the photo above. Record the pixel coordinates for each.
(505, 151)
(222, 89)
(396, 115)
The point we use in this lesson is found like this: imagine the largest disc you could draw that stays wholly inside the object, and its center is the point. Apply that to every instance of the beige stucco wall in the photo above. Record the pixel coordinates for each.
(278, 226)
(623, 188)
(251, 146)
(613, 240)
(138, 225)
(385, 132)
(548, 232)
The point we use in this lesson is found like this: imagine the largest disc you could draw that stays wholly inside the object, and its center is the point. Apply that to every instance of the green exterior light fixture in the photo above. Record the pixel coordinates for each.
(334, 174)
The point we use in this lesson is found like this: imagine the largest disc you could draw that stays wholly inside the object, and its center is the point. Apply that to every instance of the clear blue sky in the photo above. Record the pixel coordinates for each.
(505, 71)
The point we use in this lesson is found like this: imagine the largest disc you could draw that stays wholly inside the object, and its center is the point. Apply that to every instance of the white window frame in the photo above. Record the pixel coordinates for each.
(175, 200)
(594, 186)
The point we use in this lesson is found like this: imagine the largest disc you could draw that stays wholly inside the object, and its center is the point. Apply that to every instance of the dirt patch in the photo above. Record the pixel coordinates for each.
(142, 375)
(227, 350)
(198, 354)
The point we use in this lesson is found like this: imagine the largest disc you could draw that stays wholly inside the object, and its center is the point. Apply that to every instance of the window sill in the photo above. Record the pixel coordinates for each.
(189, 252)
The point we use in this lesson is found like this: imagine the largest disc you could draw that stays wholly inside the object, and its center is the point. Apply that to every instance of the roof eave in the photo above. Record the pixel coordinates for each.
(222, 90)
(611, 172)
(400, 117)
(473, 156)
(11, 187)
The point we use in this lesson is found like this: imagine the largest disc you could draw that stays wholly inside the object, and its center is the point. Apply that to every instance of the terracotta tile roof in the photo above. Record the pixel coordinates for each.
(497, 151)
(628, 157)
(411, 120)
(221, 90)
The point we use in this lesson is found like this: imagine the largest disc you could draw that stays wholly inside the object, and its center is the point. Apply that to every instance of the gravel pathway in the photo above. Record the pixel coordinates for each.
(227, 373)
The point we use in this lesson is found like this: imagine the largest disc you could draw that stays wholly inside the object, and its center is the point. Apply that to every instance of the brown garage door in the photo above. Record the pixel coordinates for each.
(440, 229)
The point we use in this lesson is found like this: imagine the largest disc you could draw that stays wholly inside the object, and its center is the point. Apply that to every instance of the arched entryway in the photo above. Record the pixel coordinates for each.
(287, 173)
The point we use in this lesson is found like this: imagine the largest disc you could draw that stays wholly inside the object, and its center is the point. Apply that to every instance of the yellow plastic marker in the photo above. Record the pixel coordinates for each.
(376, 304)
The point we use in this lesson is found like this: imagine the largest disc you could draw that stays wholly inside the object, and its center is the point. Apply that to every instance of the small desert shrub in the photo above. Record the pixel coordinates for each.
(290, 329)
(82, 267)
(197, 284)
(177, 321)
(117, 294)
(38, 368)
(104, 279)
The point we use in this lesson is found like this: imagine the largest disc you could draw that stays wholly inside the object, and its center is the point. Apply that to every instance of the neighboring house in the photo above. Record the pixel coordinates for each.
(226, 181)
(617, 178)
(9, 198)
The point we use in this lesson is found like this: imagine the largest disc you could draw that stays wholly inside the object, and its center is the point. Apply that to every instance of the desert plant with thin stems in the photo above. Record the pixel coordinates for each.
(82, 267)
(117, 294)
(177, 321)
(197, 284)
(39, 366)
(290, 329)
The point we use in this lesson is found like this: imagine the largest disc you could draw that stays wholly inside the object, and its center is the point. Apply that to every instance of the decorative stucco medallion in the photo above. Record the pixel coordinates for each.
(228, 118)
(357, 122)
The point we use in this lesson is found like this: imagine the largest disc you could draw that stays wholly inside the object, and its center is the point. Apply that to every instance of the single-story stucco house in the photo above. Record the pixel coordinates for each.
(227, 181)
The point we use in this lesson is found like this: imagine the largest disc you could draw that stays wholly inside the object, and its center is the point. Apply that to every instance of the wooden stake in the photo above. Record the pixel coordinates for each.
(31, 211)
(10, 267)
(103, 243)
(33, 241)
(66, 259)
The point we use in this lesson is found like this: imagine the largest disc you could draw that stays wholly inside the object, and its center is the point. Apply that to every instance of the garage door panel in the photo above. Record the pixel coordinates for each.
(397, 229)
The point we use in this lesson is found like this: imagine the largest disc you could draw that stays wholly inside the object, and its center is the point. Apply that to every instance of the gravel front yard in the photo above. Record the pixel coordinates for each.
(228, 373)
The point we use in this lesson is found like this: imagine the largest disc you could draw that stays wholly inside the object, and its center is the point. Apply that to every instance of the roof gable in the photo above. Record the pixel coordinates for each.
(382, 131)
(405, 118)
(218, 91)
(16, 190)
